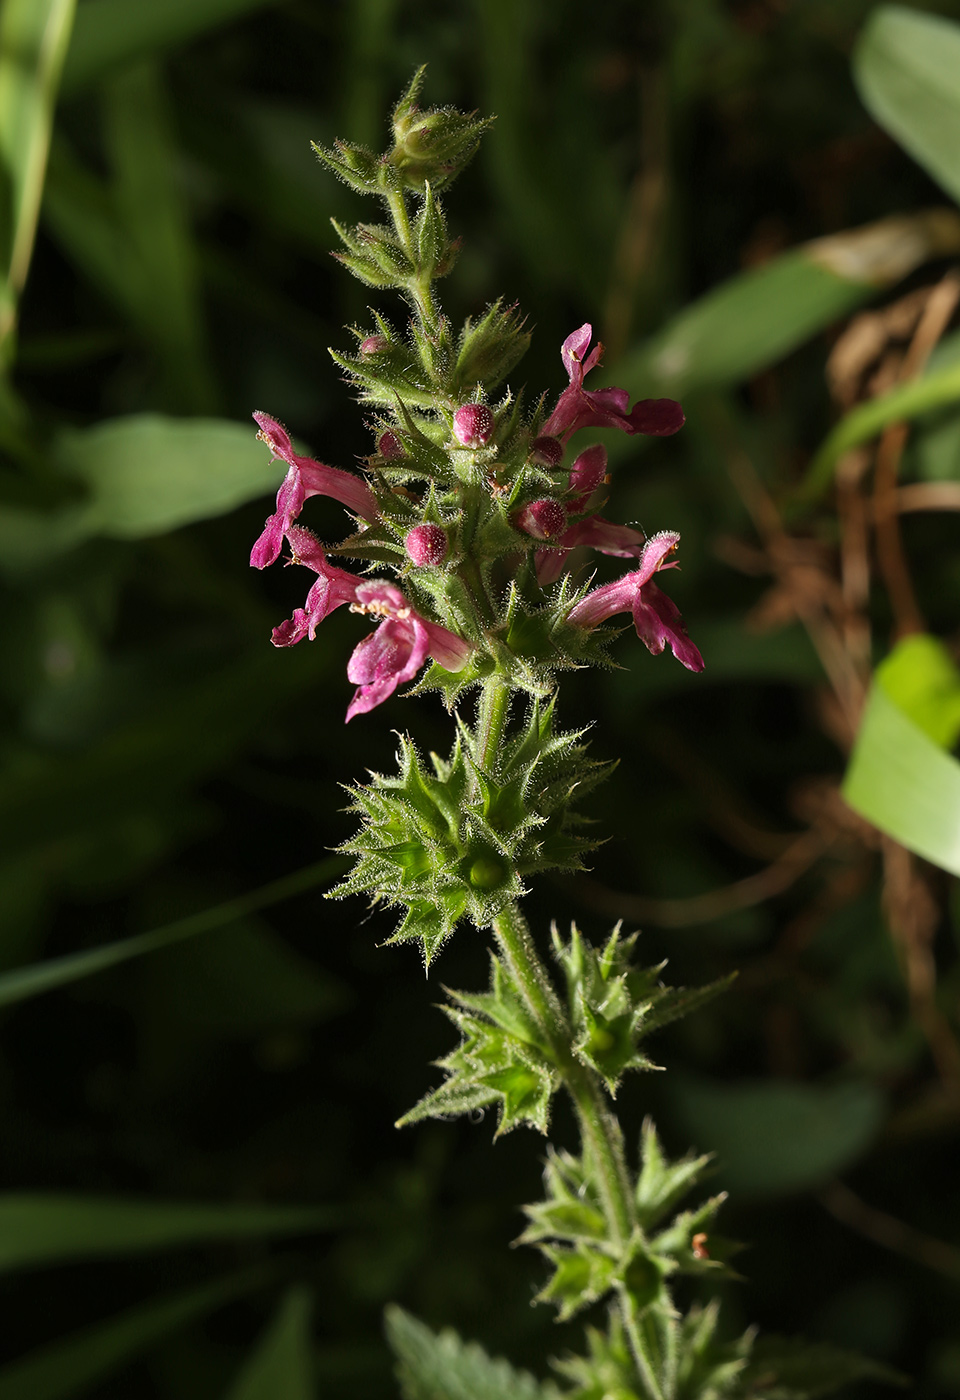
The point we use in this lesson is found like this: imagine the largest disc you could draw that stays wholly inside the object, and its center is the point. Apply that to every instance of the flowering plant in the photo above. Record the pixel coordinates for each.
(476, 506)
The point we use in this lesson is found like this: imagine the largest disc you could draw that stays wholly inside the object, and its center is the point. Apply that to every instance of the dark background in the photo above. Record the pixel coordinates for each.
(267, 1062)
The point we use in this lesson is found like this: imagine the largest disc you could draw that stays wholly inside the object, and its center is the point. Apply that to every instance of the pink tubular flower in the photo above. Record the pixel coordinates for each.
(398, 648)
(604, 408)
(333, 588)
(622, 541)
(586, 475)
(304, 479)
(656, 618)
(473, 425)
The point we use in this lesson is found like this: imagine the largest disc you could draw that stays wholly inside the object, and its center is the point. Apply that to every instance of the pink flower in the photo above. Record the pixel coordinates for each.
(656, 618)
(304, 479)
(604, 408)
(621, 541)
(473, 425)
(333, 588)
(398, 648)
(588, 472)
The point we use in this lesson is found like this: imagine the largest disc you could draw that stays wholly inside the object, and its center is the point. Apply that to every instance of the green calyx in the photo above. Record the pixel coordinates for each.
(571, 1230)
(458, 839)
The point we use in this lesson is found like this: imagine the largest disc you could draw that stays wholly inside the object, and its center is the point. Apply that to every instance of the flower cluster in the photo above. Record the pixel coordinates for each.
(429, 536)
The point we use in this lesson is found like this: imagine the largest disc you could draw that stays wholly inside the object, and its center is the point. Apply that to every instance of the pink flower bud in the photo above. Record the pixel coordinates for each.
(546, 452)
(427, 545)
(473, 425)
(389, 446)
(374, 345)
(542, 519)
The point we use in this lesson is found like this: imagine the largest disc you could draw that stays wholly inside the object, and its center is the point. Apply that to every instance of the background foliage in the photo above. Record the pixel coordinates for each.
(204, 1194)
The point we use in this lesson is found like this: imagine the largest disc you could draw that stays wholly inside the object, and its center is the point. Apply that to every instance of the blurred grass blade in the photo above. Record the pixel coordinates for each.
(112, 33)
(40, 1230)
(281, 1365)
(33, 42)
(899, 778)
(58, 972)
(907, 67)
(757, 317)
(71, 1365)
(934, 390)
(139, 139)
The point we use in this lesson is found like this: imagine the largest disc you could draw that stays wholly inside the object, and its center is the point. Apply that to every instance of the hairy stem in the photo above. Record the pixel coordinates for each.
(599, 1129)
(492, 720)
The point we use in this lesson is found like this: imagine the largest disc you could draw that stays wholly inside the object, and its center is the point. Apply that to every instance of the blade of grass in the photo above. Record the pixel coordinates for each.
(34, 35)
(70, 1365)
(31, 981)
(112, 33)
(280, 1366)
(40, 1230)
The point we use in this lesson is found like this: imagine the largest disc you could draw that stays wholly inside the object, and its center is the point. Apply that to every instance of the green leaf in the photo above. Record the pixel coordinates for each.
(280, 1367)
(758, 317)
(787, 1368)
(920, 677)
(30, 981)
(112, 33)
(148, 474)
(904, 784)
(439, 1366)
(40, 1230)
(778, 1137)
(72, 1364)
(34, 35)
(907, 67)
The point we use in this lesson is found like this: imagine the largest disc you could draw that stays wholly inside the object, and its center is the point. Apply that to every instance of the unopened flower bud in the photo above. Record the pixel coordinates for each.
(473, 425)
(389, 446)
(542, 519)
(546, 452)
(374, 345)
(427, 545)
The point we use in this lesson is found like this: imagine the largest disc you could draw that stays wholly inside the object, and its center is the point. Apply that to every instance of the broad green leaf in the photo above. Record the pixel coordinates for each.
(30, 981)
(39, 1230)
(145, 475)
(904, 783)
(907, 67)
(34, 35)
(771, 1137)
(71, 1365)
(281, 1365)
(432, 1365)
(148, 474)
(757, 317)
(112, 33)
(920, 677)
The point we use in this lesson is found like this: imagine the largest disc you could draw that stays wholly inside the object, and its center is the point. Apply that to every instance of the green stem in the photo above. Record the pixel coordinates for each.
(598, 1127)
(494, 710)
(639, 1345)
